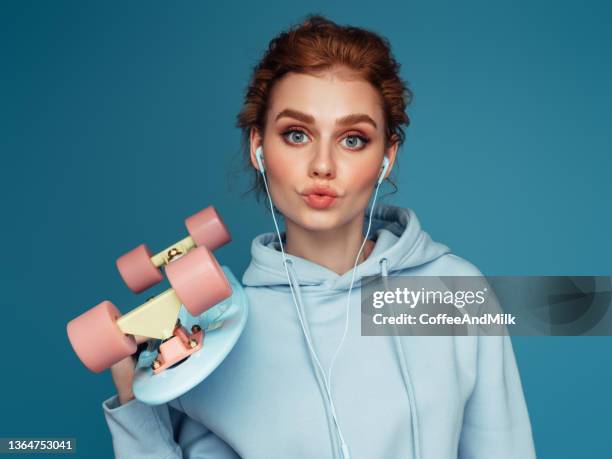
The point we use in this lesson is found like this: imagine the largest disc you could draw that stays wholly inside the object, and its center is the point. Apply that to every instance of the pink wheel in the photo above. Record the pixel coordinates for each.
(137, 269)
(198, 280)
(207, 228)
(96, 338)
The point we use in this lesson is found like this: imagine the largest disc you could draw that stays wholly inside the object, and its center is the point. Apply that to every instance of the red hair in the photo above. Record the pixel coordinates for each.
(316, 45)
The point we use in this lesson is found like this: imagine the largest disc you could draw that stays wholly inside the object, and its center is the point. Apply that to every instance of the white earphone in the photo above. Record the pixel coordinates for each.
(327, 381)
(259, 156)
(383, 169)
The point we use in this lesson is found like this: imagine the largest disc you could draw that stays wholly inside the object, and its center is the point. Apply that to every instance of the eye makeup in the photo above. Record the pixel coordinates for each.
(295, 135)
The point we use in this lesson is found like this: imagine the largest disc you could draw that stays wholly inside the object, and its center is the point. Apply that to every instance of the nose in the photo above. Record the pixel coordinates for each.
(322, 164)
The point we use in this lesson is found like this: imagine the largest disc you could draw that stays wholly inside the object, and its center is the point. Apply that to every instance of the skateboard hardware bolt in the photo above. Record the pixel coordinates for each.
(173, 253)
(193, 343)
(156, 364)
(195, 329)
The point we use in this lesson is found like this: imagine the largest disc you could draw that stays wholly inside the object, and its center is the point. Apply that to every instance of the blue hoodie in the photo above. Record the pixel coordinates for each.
(414, 397)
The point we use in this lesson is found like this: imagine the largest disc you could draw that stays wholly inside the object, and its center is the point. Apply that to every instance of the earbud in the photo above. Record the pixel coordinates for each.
(383, 170)
(259, 156)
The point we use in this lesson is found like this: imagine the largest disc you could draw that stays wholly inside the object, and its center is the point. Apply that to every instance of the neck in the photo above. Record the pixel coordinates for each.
(335, 249)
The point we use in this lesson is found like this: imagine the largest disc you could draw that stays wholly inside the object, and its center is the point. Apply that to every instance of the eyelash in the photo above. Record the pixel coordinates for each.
(364, 140)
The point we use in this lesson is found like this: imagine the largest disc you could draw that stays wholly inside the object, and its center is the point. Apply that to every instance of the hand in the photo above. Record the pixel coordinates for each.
(123, 374)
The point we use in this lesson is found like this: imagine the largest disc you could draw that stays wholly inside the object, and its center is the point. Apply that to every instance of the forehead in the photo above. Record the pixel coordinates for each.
(326, 96)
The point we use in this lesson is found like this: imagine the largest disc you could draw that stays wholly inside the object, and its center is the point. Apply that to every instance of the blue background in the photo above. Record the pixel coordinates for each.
(118, 120)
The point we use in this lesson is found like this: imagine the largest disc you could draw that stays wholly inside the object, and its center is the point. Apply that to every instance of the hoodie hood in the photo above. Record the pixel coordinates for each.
(398, 236)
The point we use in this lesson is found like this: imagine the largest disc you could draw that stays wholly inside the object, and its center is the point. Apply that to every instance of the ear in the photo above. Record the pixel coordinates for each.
(255, 140)
(391, 153)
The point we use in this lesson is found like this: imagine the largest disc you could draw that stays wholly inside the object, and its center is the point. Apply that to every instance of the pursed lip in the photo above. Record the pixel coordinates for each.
(320, 190)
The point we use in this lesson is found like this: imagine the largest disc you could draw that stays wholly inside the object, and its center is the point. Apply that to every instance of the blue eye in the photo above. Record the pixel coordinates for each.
(354, 142)
(295, 136)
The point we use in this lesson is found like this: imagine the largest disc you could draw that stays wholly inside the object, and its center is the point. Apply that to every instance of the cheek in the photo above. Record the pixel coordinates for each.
(280, 166)
(286, 167)
(362, 177)
(277, 162)
(282, 173)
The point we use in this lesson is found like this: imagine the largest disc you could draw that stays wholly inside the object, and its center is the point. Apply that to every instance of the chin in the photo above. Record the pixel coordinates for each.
(316, 220)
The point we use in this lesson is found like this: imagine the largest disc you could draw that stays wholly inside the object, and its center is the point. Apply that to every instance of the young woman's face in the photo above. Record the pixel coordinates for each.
(323, 131)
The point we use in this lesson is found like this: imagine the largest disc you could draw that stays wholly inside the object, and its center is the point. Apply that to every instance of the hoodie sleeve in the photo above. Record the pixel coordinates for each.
(496, 422)
(141, 431)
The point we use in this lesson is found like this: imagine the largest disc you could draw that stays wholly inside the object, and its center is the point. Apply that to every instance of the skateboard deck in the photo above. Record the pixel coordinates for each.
(222, 325)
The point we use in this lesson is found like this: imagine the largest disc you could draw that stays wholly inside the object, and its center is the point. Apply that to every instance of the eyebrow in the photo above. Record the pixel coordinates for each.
(309, 119)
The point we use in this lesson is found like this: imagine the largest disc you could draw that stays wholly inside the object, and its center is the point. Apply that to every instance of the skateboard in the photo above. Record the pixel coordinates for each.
(204, 299)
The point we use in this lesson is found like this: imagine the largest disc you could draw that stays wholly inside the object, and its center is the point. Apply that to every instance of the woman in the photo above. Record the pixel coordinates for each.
(323, 117)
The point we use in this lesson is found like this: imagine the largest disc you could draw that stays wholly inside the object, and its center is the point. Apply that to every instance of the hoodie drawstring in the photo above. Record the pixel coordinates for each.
(384, 270)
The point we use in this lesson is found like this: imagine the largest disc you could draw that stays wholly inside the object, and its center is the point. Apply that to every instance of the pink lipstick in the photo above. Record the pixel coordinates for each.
(319, 197)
